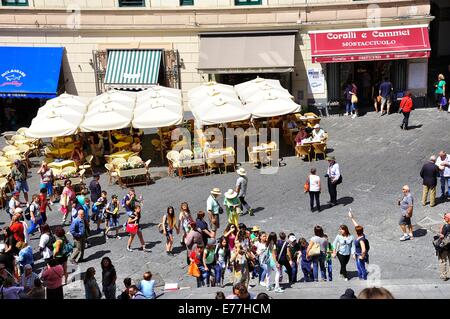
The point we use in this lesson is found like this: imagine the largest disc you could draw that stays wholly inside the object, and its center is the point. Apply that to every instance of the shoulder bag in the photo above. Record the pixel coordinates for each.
(315, 250)
(306, 185)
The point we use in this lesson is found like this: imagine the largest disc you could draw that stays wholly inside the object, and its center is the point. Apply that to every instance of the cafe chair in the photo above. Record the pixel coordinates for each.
(22, 130)
(135, 159)
(111, 173)
(25, 153)
(303, 150)
(87, 163)
(319, 149)
(186, 155)
(252, 156)
(173, 157)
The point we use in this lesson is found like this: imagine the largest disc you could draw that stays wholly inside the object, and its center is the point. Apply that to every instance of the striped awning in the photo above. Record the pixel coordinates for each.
(132, 68)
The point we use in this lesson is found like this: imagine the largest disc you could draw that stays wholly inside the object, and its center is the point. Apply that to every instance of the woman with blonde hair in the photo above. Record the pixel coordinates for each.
(169, 223)
(184, 220)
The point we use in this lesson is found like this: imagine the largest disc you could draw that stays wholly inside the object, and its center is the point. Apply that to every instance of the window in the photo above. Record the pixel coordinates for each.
(131, 3)
(14, 2)
(186, 2)
(246, 2)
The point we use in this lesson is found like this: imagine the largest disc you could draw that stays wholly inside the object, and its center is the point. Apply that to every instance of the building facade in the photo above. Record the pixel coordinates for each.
(229, 41)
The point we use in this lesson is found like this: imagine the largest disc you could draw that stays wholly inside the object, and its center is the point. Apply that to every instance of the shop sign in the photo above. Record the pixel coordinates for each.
(12, 77)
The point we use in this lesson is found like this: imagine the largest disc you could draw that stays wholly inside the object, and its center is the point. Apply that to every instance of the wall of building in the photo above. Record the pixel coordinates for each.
(101, 23)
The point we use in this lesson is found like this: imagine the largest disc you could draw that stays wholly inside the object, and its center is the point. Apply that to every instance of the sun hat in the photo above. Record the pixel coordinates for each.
(255, 228)
(216, 191)
(317, 126)
(241, 171)
(230, 194)
(331, 158)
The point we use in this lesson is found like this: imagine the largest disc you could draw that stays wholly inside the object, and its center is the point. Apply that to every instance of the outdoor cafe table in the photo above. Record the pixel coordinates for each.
(134, 176)
(121, 145)
(61, 165)
(61, 152)
(122, 154)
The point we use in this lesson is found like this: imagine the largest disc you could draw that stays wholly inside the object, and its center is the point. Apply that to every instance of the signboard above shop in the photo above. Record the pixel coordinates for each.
(387, 43)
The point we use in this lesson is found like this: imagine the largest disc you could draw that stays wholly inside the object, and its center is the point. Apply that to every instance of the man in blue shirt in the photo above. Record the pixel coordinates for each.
(385, 92)
(78, 231)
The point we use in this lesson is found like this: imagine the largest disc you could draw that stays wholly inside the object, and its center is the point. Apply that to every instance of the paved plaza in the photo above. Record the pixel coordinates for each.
(376, 158)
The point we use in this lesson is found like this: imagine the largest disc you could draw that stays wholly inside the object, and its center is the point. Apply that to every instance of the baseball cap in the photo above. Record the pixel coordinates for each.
(292, 238)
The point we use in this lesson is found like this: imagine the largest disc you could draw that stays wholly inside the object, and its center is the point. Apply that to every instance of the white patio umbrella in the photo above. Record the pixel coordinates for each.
(271, 106)
(64, 104)
(157, 91)
(116, 105)
(218, 109)
(259, 86)
(126, 98)
(157, 112)
(54, 124)
(211, 89)
(106, 117)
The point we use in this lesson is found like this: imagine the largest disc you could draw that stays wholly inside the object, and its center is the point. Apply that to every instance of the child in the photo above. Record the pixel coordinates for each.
(43, 204)
(112, 216)
(36, 217)
(98, 210)
(147, 286)
(328, 259)
(305, 261)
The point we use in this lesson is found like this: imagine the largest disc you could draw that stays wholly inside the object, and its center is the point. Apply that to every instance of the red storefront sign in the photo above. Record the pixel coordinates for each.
(370, 44)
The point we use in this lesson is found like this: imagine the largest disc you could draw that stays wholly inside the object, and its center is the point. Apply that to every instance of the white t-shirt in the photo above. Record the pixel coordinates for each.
(46, 252)
(314, 182)
(446, 170)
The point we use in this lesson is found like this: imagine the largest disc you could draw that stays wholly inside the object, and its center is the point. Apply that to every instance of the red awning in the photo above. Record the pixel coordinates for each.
(390, 43)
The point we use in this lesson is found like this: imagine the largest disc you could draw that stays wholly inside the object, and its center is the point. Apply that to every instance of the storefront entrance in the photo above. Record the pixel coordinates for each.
(236, 78)
(16, 113)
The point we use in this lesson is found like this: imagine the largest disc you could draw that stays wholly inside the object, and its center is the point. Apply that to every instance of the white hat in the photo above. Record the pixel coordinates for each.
(18, 210)
(317, 126)
(241, 171)
(2, 248)
(216, 191)
(292, 238)
(230, 194)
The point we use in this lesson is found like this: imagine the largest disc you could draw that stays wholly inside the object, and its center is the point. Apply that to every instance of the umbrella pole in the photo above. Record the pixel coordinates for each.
(161, 144)
(110, 142)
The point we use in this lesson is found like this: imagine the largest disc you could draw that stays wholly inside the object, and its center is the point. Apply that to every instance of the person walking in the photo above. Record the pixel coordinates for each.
(241, 189)
(233, 206)
(193, 239)
(284, 255)
(109, 278)
(129, 202)
(61, 250)
(385, 91)
(317, 250)
(95, 188)
(19, 173)
(222, 258)
(133, 229)
(169, 223)
(343, 244)
(360, 249)
(213, 208)
(78, 231)
(67, 197)
(91, 288)
(444, 253)
(35, 214)
(406, 106)
(334, 178)
(443, 163)
(429, 173)
(272, 263)
(406, 207)
(52, 279)
(112, 217)
(184, 219)
(314, 189)
(47, 178)
(46, 242)
(439, 92)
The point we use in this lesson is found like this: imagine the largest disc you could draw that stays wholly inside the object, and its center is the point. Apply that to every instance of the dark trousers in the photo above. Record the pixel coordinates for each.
(56, 293)
(286, 265)
(405, 120)
(244, 204)
(332, 189)
(343, 260)
(78, 251)
(313, 195)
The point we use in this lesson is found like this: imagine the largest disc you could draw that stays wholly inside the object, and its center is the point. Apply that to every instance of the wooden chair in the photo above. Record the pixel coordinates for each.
(252, 156)
(229, 160)
(303, 150)
(87, 164)
(111, 173)
(310, 114)
(319, 149)
(173, 158)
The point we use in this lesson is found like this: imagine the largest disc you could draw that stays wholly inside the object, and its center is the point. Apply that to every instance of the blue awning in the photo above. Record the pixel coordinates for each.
(30, 72)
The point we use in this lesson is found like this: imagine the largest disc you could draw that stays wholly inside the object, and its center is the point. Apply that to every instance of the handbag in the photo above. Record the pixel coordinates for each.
(132, 228)
(444, 101)
(306, 185)
(315, 250)
(161, 228)
(193, 270)
(354, 99)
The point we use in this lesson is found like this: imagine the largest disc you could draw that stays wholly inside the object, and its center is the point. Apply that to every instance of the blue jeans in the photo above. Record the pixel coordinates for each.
(48, 187)
(33, 226)
(22, 186)
(306, 269)
(262, 272)
(349, 107)
(204, 276)
(361, 266)
(294, 268)
(445, 181)
(330, 269)
(319, 261)
(219, 272)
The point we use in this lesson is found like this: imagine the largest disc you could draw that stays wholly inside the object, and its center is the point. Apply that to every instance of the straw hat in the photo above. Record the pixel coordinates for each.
(255, 228)
(216, 191)
(331, 158)
(241, 171)
(230, 194)
(317, 126)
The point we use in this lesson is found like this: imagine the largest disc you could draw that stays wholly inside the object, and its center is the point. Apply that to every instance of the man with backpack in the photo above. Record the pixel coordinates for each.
(77, 229)
(444, 251)
(19, 174)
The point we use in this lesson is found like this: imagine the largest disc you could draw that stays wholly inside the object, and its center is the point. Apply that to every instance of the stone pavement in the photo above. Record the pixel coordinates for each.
(376, 158)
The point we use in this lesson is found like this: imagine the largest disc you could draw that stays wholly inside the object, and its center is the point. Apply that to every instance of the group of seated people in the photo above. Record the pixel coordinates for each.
(315, 133)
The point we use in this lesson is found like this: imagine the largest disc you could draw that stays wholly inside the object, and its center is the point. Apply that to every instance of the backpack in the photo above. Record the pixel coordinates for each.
(67, 248)
(50, 242)
(366, 242)
(27, 213)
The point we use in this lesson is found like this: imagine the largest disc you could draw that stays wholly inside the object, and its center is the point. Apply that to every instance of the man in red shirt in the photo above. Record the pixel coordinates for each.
(16, 228)
(406, 106)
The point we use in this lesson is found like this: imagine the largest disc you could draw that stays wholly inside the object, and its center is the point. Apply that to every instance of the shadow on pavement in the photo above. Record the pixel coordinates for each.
(412, 127)
(98, 254)
(345, 200)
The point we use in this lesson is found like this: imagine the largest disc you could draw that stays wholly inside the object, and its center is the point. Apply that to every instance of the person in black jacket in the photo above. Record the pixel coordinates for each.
(429, 174)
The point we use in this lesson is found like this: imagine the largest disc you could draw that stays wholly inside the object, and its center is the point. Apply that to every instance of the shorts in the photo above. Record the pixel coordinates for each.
(113, 222)
(48, 187)
(21, 186)
(214, 226)
(405, 221)
(169, 232)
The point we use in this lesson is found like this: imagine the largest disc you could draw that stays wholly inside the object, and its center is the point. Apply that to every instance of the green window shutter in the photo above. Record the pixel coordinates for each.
(247, 2)
(131, 3)
(15, 2)
(186, 2)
